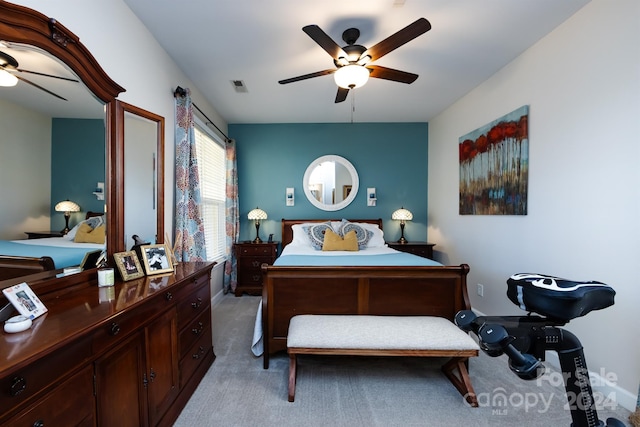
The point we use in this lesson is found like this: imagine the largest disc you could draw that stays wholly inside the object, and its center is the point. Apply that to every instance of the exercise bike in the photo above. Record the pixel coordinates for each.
(524, 339)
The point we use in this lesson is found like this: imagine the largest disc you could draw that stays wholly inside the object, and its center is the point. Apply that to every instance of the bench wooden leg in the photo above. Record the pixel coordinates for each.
(292, 376)
(463, 382)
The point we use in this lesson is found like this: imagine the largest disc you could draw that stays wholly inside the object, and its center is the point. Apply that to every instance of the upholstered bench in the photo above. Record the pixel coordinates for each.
(362, 335)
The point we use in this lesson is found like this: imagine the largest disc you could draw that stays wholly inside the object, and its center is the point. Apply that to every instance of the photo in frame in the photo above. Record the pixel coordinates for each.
(24, 300)
(156, 259)
(128, 265)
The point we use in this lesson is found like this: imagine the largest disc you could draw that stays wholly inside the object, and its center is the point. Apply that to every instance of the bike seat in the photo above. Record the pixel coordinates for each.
(558, 298)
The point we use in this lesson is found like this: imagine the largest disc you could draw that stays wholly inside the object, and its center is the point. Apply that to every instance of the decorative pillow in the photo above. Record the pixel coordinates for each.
(86, 234)
(316, 233)
(377, 235)
(362, 235)
(93, 222)
(333, 242)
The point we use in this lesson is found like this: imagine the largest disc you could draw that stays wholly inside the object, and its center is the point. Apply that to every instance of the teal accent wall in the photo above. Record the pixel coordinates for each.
(78, 163)
(392, 157)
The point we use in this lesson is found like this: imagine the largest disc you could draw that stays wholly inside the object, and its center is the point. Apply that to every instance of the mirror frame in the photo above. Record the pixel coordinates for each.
(19, 24)
(355, 183)
(116, 194)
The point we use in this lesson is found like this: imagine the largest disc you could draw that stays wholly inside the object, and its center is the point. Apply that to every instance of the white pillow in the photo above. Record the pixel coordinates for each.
(300, 236)
(72, 233)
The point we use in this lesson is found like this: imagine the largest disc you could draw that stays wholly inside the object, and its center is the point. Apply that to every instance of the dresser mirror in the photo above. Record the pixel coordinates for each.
(330, 183)
(139, 197)
(38, 43)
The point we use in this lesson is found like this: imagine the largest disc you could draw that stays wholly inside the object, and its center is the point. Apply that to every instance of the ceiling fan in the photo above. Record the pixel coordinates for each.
(9, 74)
(353, 61)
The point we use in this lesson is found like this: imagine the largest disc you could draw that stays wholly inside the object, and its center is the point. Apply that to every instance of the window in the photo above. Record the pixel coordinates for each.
(211, 166)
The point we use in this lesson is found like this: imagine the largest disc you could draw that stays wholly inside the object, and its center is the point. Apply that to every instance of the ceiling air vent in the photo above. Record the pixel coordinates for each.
(239, 86)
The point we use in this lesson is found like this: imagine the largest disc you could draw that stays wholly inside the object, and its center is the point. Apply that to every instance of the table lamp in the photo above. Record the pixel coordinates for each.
(402, 215)
(67, 207)
(256, 215)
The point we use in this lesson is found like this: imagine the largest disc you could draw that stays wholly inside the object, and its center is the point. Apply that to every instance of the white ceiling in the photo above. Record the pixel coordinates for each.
(261, 42)
(80, 103)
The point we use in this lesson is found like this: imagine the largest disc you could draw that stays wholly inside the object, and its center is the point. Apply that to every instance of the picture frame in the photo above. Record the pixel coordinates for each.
(128, 265)
(22, 297)
(156, 260)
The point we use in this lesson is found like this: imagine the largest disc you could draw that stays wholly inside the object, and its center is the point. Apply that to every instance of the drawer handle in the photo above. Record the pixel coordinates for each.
(38, 423)
(114, 329)
(197, 355)
(18, 385)
(168, 296)
(197, 303)
(196, 331)
(256, 264)
(257, 277)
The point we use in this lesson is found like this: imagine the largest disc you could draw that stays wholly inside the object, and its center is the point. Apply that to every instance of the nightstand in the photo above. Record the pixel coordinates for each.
(250, 257)
(43, 234)
(423, 249)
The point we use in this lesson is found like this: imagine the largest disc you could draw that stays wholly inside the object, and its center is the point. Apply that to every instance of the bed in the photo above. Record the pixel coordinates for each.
(343, 284)
(23, 257)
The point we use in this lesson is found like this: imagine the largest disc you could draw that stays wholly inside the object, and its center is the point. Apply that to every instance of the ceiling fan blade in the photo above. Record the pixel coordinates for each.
(391, 74)
(307, 76)
(324, 41)
(341, 95)
(47, 75)
(40, 87)
(396, 40)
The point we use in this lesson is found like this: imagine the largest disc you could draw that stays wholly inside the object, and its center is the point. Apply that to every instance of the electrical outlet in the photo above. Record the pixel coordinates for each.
(480, 290)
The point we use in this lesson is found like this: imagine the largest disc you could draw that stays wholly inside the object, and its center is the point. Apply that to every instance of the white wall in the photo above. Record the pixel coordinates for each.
(132, 58)
(25, 158)
(582, 83)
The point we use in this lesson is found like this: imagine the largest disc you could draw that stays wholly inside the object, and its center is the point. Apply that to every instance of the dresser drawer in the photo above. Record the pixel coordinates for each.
(256, 250)
(25, 383)
(70, 404)
(195, 356)
(192, 305)
(122, 324)
(194, 331)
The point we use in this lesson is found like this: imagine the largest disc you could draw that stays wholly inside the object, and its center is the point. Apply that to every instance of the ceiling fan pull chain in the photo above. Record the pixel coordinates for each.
(353, 104)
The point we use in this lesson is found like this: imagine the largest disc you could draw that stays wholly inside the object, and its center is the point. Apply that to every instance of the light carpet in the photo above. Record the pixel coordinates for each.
(361, 391)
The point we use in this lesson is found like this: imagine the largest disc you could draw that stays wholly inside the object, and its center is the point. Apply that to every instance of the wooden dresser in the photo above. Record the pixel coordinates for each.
(250, 257)
(127, 355)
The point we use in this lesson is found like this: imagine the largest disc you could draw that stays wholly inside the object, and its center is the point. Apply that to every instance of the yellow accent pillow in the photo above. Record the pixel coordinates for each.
(333, 242)
(86, 234)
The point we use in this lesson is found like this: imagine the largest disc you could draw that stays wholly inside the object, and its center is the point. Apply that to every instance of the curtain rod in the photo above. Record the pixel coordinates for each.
(181, 92)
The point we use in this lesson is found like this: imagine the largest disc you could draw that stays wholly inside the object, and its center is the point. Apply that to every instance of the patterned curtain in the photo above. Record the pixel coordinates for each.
(232, 218)
(190, 245)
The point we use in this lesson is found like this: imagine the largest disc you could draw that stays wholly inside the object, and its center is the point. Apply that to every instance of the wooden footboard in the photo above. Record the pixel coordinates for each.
(16, 266)
(385, 290)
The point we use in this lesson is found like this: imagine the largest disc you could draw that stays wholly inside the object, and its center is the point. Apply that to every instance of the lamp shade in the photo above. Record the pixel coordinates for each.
(7, 79)
(257, 214)
(402, 214)
(67, 206)
(351, 76)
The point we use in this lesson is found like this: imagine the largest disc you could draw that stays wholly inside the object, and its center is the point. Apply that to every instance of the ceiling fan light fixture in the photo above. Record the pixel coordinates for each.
(351, 76)
(7, 79)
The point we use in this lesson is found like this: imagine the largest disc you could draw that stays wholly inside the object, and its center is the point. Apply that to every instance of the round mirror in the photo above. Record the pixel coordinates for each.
(330, 183)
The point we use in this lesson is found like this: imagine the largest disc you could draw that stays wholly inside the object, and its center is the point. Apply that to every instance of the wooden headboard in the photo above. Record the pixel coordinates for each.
(287, 232)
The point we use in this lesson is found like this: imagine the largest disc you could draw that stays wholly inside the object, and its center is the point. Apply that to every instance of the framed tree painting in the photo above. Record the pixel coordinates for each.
(494, 166)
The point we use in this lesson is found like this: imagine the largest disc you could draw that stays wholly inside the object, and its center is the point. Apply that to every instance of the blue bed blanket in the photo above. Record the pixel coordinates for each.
(62, 256)
(385, 259)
